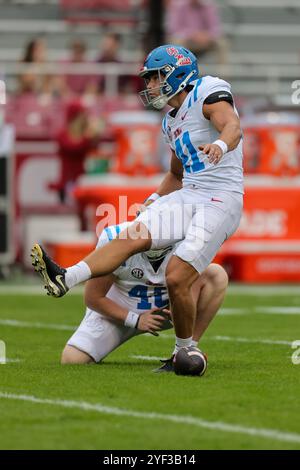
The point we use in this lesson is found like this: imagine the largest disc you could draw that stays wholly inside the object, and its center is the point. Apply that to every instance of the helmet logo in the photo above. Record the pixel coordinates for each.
(181, 59)
(173, 51)
(184, 61)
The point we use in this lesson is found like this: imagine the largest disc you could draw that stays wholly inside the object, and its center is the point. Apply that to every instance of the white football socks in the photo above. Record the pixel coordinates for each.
(182, 343)
(76, 274)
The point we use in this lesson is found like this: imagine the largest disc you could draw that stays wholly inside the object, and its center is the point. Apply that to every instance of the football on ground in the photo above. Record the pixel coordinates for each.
(190, 361)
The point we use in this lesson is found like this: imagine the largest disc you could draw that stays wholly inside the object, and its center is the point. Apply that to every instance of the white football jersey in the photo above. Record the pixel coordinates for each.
(137, 287)
(189, 129)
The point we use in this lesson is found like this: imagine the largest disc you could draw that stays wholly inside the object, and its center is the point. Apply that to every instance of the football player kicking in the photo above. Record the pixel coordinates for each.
(130, 301)
(199, 202)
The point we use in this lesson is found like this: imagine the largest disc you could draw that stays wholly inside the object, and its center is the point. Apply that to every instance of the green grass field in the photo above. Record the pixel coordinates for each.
(248, 399)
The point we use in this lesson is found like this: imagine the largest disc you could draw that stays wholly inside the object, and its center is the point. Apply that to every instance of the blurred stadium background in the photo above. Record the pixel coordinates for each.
(69, 69)
(74, 136)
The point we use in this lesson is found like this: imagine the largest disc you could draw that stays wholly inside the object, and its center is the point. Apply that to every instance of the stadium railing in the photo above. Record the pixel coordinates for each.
(248, 79)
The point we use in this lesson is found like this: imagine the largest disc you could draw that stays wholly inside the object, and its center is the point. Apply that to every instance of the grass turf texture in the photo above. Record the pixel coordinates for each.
(247, 384)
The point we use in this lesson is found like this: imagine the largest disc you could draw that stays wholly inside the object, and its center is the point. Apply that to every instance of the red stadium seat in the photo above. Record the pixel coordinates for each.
(35, 117)
(95, 4)
(103, 11)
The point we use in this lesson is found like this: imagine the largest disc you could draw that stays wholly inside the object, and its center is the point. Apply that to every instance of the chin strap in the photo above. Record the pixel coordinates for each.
(160, 101)
(180, 88)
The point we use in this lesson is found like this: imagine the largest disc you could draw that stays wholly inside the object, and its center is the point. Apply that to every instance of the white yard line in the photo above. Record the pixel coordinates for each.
(233, 311)
(249, 340)
(32, 290)
(145, 358)
(236, 339)
(273, 434)
(263, 290)
(278, 310)
(8, 360)
(27, 324)
(61, 327)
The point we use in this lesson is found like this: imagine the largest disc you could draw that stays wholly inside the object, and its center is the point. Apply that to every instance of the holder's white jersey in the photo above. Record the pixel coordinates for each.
(137, 287)
(189, 129)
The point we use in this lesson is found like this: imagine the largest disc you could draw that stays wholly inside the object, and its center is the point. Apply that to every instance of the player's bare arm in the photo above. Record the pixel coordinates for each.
(96, 299)
(226, 121)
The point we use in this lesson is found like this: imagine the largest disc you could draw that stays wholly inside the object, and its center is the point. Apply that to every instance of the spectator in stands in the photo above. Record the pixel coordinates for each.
(109, 48)
(194, 24)
(79, 138)
(35, 54)
(80, 83)
(110, 53)
(34, 79)
(36, 51)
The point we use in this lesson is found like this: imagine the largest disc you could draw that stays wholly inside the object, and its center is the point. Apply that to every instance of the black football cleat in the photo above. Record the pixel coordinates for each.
(167, 365)
(52, 274)
(190, 361)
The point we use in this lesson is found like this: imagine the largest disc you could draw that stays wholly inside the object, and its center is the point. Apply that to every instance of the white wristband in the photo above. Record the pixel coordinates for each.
(131, 319)
(222, 145)
(153, 197)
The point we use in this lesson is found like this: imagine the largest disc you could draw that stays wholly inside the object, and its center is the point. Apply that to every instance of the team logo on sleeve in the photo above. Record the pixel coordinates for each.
(137, 273)
(183, 61)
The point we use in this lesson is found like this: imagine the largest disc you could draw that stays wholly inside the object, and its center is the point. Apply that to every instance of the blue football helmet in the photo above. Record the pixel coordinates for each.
(175, 66)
